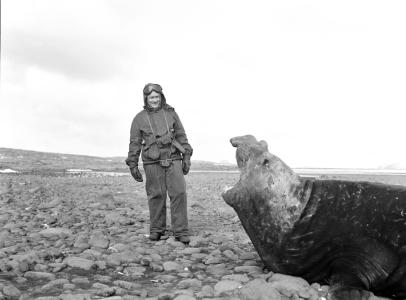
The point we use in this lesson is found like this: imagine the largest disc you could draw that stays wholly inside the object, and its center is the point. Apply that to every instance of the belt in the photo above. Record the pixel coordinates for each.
(160, 160)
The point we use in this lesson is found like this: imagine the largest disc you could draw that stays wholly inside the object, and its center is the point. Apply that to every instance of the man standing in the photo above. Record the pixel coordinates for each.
(158, 135)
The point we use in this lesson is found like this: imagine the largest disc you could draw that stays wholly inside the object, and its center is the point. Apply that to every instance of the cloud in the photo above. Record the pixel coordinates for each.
(76, 58)
(81, 41)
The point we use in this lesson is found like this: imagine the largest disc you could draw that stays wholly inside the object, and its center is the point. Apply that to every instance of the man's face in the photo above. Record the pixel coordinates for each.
(154, 100)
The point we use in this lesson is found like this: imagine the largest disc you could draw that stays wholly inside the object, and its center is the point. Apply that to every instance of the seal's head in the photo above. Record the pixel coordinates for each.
(264, 177)
(266, 198)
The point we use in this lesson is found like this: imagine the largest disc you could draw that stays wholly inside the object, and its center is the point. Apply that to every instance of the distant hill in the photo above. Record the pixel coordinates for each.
(27, 160)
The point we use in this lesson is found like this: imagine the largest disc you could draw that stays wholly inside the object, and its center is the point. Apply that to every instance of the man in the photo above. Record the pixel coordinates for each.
(158, 135)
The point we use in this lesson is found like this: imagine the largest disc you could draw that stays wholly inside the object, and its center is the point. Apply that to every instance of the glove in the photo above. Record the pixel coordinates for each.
(186, 164)
(136, 174)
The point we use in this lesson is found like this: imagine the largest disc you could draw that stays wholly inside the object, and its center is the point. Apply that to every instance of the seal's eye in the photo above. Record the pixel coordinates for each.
(265, 163)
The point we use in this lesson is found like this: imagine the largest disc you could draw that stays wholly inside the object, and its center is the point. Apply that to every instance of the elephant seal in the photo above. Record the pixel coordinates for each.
(351, 235)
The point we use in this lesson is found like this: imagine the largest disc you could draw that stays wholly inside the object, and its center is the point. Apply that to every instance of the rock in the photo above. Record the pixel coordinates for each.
(91, 254)
(39, 275)
(21, 280)
(171, 241)
(289, 285)
(258, 289)
(98, 240)
(80, 281)
(225, 286)
(250, 263)
(184, 297)
(102, 278)
(155, 257)
(78, 262)
(127, 285)
(230, 254)
(215, 252)
(145, 261)
(55, 232)
(103, 290)
(58, 283)
(100, 264)
(206, 291)
(190, 283)
(157, 267)
(172, 266)
(123, 257)
(134, 272)
(11, 291)
(74, 297)
(248, 269)
(118, 247)
(37, 267)
(55, 202)
(165, 296)
(217, 270)
(197, 241)
(190, 250)
(131, 297)
(165, 278)
(236, 277)
(113, 260)
(68, 287)
(210, 260)
(81, 242)
(57, 266)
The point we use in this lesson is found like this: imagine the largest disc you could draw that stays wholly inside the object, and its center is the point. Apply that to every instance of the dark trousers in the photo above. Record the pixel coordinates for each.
(161, 181)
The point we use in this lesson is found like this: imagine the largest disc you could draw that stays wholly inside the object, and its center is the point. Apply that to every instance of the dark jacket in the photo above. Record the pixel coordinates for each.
(149, 134)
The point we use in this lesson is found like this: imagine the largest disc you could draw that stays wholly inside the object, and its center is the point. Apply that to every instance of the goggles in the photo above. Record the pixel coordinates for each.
(150, 87)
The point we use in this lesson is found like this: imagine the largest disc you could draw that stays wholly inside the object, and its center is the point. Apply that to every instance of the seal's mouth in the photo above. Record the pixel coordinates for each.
(226, 194)
(250, 154)
(243, 145)
(232, 195)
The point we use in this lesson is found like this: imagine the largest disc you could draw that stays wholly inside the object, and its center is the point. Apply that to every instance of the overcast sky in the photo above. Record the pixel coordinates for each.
(323, 82)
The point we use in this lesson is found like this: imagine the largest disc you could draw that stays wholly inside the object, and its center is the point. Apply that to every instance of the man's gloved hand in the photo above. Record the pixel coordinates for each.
(186, 164)
(136, 174)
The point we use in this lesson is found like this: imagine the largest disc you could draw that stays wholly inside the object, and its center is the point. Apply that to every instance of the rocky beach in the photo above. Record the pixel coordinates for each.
(84, 235)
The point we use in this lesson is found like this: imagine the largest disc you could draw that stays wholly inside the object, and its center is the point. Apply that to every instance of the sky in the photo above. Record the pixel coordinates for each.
(322, 82)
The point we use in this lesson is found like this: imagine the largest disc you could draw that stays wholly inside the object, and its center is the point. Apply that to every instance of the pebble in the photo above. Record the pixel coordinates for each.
(259, 289)
(78, 262)
(247, 269)
(171, 266)
(225, 286)
(55, 232)
(236, 277)
(190, 250)
(54, 284)
(11, 291)
(39, 275)
(75, 297)
(98, 240)
(191, 283)
(184, 297)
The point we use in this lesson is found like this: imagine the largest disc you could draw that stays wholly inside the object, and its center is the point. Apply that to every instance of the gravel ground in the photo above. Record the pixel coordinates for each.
(85, 236)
